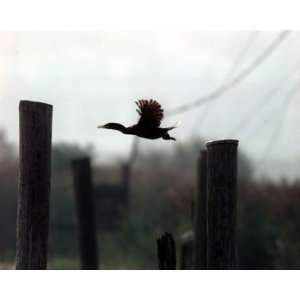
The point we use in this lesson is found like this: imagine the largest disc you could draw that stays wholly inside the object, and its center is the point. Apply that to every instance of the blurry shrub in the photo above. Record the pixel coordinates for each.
(269, 226)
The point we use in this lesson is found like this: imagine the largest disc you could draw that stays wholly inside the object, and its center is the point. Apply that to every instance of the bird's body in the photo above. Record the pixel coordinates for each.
(147, 127)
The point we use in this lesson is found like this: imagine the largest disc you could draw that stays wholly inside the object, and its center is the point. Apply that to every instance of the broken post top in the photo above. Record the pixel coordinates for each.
(32, 105)
(218, 142)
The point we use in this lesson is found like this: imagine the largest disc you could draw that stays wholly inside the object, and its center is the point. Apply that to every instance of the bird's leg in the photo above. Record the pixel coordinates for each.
(166, 136)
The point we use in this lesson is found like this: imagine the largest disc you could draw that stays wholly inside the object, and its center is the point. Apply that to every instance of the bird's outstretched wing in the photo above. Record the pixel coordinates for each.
(150, 113)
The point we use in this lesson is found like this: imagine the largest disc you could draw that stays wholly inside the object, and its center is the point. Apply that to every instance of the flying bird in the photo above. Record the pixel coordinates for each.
(147, 127)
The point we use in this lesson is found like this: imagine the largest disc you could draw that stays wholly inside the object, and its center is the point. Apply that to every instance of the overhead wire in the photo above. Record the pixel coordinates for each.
(279, 124)
(265, 99)
(237, 79)
(221, 90)
(236, 63)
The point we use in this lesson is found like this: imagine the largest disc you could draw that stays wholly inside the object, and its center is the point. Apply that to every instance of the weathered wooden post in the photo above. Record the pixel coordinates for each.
(222, 203)
(34, 185)
(83, 188)
(200, 220)
(166, 252)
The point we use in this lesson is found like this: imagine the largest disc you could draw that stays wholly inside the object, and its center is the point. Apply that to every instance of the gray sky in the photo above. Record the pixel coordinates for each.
(94, 77)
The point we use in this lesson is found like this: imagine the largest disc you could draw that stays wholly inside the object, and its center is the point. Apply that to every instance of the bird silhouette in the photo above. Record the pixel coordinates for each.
(151, 114)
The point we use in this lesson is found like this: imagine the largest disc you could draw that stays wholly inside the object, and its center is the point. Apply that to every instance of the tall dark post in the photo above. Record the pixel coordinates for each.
(222, 203)
(200, 220)
(34, 185)
(82, 178)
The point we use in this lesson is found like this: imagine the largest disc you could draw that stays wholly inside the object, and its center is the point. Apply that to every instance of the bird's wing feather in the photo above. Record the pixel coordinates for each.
(150, 113)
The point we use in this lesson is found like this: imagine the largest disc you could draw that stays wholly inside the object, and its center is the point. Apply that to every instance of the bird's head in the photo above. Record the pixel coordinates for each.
(107, 126)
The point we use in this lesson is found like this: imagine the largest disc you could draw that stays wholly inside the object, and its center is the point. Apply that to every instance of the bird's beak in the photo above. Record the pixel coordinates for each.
(100, 126)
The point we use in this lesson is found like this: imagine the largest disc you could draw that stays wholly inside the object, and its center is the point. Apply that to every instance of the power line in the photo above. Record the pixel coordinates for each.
(274, 136)
(249, 42)
(250, 116)
(222, 89)
(241, 76)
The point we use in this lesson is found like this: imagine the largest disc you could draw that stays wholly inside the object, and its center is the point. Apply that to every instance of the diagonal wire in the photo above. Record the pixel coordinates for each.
(237, 79)
(276, 132)
(222, 89)
(266, 99)
(249, 42)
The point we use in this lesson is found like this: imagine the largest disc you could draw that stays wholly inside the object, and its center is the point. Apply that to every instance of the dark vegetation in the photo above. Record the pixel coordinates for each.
(162, 192)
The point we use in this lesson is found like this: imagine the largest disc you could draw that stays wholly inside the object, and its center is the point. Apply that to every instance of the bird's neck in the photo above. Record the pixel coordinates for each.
(117, 126)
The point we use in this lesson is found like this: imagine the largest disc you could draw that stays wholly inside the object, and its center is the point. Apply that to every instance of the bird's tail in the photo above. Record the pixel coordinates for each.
(174, 126)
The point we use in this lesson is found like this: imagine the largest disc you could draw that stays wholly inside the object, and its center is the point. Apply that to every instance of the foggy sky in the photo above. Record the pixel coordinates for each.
(92, 78)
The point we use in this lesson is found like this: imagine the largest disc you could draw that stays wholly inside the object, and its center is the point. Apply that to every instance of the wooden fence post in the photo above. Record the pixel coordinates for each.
(200, 220)
(222, 203)
(34, 185)
(166, 252)
(83, 188)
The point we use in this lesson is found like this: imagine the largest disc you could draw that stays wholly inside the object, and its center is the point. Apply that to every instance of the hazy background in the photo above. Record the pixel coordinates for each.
(94, 77)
